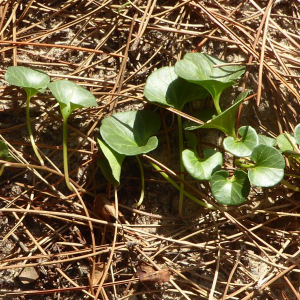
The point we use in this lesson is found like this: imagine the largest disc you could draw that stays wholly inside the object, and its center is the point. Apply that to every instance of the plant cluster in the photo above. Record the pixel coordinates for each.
(258, 162)
(68, 94)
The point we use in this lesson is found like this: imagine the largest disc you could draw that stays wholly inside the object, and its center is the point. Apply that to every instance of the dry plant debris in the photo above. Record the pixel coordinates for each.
(72, 250)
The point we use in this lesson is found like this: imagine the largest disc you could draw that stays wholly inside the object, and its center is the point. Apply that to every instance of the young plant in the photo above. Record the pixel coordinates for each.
(127, 134)
(164, 87)
(33, 82)
(70, 96)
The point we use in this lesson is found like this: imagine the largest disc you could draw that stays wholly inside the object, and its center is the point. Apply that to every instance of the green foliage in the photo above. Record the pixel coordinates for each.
(244, 146)
(4, 152)
(269, 166)
(202, 169)
(203, 69)
(112, 163)
(131, 132)
(32, 81)
(70, 96)
(230, 191)
(163, 86)
(283, 142)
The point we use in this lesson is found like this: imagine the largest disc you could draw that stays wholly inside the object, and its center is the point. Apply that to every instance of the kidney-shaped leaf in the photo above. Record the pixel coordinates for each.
(266, 140)
(226, 120)
(131, 132)
(202, 169)
(297, 134)
(230, 191)
(112, 164)
(33, 81)
(269, 166)
(70, 95)
(284, 143)
(244, 146)
(165, 87)
(199, 68)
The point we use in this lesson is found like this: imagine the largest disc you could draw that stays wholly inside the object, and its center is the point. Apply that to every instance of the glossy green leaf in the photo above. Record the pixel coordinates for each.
(165, 87)
(4, 152)
(202, 169)
(230, 191)
(199, 68)
(283, 142)
(265, 140)
(33, 81)
(226, 121)
(243, 146)
(70, 96)
(297, 134)
(131, 132)
(269, 166)
(112, 163)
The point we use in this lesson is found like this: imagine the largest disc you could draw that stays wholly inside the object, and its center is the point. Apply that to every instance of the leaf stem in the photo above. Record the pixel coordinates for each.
(290, 186)
(244, 166)
(171, 181)
(217, 104)
(142, 181)
(65, 154)
(181, 188)
(30, 132)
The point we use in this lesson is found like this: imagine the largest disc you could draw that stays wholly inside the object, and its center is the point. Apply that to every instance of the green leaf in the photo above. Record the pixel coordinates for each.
(244, 146)
(283, 142)
(70, 96)
(265, 140)
(112, 164)
(226, 121)
(4, 152)
(165, 87)
(130, 132)
(297, 134)
(191, 138)
(33, 81)
(202, 169)
(269, 166)
(230, 191)
(199, 68)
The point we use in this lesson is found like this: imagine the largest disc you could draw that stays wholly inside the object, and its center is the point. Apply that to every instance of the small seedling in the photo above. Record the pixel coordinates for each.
(70, 96)
(127, 134)
(4, 155)
(33, 82)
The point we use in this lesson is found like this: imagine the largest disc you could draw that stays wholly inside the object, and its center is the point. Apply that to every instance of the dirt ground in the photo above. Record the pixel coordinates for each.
(64, 246)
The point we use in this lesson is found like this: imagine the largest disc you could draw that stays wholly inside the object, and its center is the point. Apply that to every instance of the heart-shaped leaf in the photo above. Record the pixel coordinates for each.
(284, 143)
(202, 69)
(244, 146)
(265, 140)
(165, 87)
(33, 81)
(70, 96)
(230, 191)
(269, 166)
(112, 164)
(202, 169)
(130, 132)
(226, 121)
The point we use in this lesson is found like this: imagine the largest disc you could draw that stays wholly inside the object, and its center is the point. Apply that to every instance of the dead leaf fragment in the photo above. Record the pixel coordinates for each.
(28, 275)
(104, 207)
(153, 277)
(99, 268)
